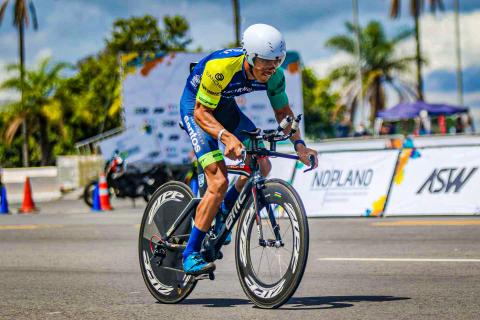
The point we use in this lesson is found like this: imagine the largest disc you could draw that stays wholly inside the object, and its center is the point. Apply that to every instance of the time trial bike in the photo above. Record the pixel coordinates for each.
(271, 243)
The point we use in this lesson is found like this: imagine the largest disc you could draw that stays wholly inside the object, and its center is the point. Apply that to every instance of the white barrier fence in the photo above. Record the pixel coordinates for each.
(433, 180)
(436, 181)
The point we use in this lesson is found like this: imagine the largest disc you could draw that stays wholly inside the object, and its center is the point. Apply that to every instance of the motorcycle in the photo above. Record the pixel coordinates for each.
(130, 181)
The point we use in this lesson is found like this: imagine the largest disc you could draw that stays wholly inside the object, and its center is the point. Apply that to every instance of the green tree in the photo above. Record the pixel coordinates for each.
(416, 8)
(142, 34)
(39, 109)
(320, 105)
(21, 21)
(379, 66)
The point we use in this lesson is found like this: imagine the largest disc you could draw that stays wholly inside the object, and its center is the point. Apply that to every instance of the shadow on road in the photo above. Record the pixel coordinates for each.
(333, 302)
(218, 302)
(298, 303)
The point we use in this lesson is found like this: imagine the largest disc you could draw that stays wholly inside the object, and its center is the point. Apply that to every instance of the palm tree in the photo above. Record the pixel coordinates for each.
(39, 107)
(416, 8)
(379, 66)
(21, 21)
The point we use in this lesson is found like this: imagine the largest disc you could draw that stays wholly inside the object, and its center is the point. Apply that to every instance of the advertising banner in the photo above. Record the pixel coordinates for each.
(135, 145)
(151, 90)
(436, 181)
(347, 183)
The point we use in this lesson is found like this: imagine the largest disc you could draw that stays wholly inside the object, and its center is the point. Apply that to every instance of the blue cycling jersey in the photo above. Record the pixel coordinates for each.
(221, 75)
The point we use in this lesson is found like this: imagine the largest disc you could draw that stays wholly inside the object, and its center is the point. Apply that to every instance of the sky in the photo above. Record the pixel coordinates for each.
(70, 30)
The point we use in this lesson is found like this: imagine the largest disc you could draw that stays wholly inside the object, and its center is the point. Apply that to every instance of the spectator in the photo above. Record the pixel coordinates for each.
(344, 127)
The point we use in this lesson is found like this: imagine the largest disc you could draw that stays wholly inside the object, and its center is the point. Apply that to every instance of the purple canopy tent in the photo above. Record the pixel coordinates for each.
(410, 110)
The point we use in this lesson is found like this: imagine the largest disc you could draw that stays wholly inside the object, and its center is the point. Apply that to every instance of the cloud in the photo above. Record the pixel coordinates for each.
(438, 40)
(6, 95)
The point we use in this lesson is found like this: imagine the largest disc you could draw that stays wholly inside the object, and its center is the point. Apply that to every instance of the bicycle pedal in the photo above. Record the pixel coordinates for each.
(205, 276)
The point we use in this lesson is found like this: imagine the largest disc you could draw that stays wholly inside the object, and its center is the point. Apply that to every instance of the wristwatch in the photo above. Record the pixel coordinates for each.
(298, 142)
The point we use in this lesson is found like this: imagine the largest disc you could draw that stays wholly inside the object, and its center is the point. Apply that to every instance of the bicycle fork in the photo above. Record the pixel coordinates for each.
(259, 185)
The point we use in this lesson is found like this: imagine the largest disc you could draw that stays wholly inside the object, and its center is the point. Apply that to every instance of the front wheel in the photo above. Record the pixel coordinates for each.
(268, 272)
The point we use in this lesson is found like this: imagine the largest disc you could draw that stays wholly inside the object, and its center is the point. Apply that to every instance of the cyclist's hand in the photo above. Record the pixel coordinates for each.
(304, 153)
(233, 147)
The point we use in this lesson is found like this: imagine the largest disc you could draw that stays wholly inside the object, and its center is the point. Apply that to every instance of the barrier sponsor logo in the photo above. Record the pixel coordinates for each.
(258, 106)
(339, 179)
(172, 109)
(158, 110)
(168, 123)
(348, 183)
(271, 121)
(443, 181)
(174, 137)
(141, 110)
(447, 179)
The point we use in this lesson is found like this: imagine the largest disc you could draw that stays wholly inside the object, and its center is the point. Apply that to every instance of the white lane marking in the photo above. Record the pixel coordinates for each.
(55, 312)
(399, 259)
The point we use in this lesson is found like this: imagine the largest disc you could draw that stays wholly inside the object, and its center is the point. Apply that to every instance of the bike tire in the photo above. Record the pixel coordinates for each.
(276, 294)
(165, 205)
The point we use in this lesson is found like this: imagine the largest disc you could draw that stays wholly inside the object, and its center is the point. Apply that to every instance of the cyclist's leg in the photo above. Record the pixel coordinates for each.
(211, 159)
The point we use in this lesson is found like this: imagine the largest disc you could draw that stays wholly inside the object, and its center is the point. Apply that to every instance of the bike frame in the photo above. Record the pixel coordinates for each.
(253, 188)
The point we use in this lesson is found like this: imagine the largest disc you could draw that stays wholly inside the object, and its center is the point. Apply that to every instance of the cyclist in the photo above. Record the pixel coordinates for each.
(209, 113)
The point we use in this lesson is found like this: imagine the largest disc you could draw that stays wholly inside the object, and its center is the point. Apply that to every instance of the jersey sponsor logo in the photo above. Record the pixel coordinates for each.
(227, 51)
(237, 91)
(447, 179)
(219, 76)
(201, 179)
(192, 134)
(205, 101)
(209, 91)
(212, 77)
(195, 81)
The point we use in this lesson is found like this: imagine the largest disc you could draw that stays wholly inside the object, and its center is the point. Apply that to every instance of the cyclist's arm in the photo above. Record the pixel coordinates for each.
(280, 114)
(204, 118)
(279, 100)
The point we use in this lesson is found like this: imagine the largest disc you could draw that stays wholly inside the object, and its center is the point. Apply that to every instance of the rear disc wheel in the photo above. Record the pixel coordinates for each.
(162, 270)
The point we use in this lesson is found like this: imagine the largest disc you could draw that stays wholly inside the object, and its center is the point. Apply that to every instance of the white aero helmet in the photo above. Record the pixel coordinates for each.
(264, 41)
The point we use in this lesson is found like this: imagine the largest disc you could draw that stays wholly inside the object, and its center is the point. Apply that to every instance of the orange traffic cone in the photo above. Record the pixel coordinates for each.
(28, 206)
(103, 191)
